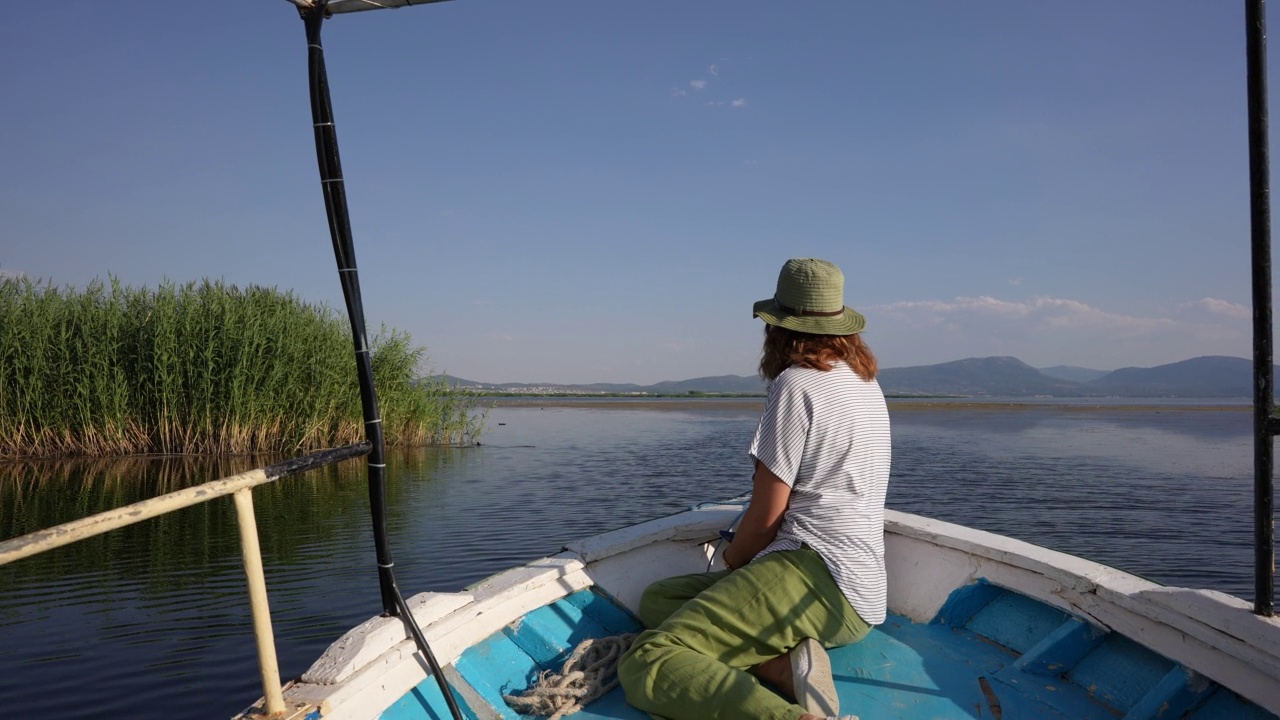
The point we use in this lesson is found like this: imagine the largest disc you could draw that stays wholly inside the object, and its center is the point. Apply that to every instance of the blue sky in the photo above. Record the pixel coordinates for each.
(572, 191)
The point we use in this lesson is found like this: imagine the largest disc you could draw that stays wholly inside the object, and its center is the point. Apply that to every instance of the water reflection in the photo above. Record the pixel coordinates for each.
(1160, 492)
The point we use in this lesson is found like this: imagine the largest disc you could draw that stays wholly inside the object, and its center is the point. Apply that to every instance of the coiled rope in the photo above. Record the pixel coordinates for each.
(590, 671)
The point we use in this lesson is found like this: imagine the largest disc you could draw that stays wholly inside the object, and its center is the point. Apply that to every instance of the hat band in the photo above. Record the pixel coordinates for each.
(808, 313)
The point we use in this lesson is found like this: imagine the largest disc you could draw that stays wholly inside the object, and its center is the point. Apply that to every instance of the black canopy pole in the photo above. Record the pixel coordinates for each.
(1264, 422)
(335, 203)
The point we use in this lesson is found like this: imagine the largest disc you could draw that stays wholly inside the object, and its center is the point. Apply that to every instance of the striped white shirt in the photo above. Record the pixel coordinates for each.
(826, 434)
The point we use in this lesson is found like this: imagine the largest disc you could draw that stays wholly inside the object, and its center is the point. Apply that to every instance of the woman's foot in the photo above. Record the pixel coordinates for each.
(812, 683)
(804, 675)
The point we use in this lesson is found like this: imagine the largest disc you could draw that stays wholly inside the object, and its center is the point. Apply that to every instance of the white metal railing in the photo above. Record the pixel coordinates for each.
(239, 486)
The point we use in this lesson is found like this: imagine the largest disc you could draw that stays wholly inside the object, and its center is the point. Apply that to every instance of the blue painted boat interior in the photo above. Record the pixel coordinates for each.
(989, 653)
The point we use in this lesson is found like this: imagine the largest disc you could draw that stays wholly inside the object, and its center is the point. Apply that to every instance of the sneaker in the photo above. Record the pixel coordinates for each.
(814, 686)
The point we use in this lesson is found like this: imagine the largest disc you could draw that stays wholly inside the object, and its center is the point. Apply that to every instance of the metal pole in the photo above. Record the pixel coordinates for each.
(1264, 422)
(268, 665)
(335, 202)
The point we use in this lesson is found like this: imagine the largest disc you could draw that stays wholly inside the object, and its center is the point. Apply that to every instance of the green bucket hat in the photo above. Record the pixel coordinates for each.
(810, 299)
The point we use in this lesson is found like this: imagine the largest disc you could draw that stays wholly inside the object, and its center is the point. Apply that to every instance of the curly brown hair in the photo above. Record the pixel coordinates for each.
(784, 348)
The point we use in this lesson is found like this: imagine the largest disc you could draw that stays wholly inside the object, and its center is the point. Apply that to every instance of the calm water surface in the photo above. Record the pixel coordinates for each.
(151, 621)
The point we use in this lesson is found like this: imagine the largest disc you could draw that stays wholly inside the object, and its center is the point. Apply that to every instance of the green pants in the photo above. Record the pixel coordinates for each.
(707, 629)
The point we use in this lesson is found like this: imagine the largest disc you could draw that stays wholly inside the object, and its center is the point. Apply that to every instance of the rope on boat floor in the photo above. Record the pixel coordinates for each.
(590, 671)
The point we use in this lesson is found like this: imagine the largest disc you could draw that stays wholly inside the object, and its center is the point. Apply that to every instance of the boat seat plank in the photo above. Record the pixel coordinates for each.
(1061, 650)
(1172, 697)
(1016, 621)
(605, 610)
(494, 666)
(550, 633)
(1120, 672)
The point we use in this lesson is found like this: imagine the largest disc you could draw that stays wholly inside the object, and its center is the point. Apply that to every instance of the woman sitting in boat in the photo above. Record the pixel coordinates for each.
(806, 564)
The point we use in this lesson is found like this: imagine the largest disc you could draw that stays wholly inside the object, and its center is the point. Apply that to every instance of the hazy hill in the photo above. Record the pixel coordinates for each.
(1211, 376)
(1073, 373)
(992, 376)
(1208, 376)
(735, 384)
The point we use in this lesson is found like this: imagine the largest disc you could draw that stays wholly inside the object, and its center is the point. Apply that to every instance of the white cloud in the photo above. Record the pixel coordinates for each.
(1221, 307)
(1038, 313)
(697, 85)
(11, 274)
(1015, 281)
(1050, 331)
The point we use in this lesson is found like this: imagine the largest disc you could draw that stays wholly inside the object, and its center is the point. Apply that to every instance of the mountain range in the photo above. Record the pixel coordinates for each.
(1211, 376)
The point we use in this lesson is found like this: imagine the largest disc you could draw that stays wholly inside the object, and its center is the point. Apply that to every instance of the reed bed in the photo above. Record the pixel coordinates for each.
(201, 368)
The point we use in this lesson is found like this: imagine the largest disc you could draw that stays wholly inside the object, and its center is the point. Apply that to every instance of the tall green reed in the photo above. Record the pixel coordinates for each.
(204, 367)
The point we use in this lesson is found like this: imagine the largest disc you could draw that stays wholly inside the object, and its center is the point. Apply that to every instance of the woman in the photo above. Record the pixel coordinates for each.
(806, 565)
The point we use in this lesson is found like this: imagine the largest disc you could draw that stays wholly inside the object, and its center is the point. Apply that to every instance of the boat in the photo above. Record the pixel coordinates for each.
(980, 625)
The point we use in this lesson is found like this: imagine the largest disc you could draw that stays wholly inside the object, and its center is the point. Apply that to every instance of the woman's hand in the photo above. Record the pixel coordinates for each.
(760, 523)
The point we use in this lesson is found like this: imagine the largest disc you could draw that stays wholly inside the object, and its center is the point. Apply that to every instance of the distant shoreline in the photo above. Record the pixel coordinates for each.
(677, 402)
(1207, 376)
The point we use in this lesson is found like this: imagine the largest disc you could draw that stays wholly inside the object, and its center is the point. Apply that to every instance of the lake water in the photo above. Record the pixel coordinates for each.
(152, 622)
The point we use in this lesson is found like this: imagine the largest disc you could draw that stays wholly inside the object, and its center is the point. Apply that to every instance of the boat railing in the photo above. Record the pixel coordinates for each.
(240, 487)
